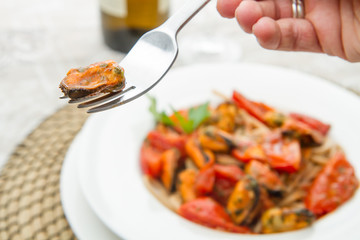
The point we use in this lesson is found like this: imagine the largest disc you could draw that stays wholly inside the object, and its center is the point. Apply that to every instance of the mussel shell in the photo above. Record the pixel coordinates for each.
(286, 219)
(243, 203)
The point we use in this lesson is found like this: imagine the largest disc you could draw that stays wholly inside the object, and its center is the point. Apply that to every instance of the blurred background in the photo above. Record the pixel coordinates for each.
(40, 40)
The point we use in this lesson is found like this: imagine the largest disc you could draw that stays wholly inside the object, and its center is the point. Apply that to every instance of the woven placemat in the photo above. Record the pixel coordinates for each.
(30, 206)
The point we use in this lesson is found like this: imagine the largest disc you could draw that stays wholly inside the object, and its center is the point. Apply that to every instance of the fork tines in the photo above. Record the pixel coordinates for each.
(86, 98)
(102, 101)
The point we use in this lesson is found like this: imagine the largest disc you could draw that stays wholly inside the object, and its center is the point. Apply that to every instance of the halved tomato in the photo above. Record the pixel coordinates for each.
(204, 181)
(164, 139)
(264, 175)
(334, 185)
(255, 109)
(226, 177)
(249, 153)
(208, 212)
(283, 155)
(311, 122)
(150, 160)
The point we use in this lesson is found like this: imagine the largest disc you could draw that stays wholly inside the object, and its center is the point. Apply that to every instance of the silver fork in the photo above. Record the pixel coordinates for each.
(148, 61)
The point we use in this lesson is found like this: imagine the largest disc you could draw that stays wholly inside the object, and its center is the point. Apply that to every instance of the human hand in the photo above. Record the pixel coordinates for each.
(329, 26)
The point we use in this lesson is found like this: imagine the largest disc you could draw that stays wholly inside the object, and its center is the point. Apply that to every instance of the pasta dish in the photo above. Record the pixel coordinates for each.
(245, 167)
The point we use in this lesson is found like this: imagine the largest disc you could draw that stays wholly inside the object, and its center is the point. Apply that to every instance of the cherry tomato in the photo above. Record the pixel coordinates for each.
(249, 153)
(226, 177)
(150, 160)
(208, 212)
(230, 172)
(264, 175)
(257, 110)
(307, 136)
(222, 190)
(283, 156)
(334, 185)
(165, 139)
(204, 181)
(312, 123)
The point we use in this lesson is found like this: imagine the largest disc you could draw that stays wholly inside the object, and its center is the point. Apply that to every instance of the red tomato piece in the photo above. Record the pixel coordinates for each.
(230, 172)
(164, 140)
(208, 212)
(273, 136)
(150, 160)
(204, 181)
(257, 110)
(263, 174)
(306, 135)
(222, 190)
(334, 185)
(283, 156)
(226, 178)
(312, 123)
(264, 106)
(249, 153)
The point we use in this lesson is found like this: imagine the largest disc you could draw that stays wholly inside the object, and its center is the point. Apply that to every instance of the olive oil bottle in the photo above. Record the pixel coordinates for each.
(125, 21)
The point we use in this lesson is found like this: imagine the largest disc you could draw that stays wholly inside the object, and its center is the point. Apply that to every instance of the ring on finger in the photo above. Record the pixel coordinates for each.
(298, 9)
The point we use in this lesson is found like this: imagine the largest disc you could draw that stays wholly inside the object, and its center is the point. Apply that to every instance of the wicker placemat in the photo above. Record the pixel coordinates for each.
(30, 206)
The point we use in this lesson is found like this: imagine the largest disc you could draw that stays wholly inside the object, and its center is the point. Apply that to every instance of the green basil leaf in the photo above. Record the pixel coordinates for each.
(153, 109)
(159, 116)
(165, 119)
(198, 114)
(186, 125)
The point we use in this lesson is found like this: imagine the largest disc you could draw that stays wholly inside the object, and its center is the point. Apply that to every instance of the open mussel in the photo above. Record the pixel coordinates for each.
(286, 219)
(243, 204)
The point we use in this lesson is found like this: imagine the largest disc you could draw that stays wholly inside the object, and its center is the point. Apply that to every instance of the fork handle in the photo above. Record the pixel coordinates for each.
(183, 15)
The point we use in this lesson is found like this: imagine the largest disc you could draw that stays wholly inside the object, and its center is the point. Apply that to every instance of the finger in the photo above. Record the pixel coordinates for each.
(226, 8)
(287, 34)
(249, 12)
(326, 17)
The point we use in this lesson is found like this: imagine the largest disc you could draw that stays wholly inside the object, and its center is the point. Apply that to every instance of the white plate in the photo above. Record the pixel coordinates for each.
(84, 223)
(109, 145)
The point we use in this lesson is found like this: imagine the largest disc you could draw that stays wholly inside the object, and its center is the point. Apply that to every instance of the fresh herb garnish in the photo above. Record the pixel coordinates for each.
(159, 116)
(185, 124)
(196, 115)
(199, 114)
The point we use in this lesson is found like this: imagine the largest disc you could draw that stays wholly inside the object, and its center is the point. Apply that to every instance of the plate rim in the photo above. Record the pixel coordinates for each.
(71, 195)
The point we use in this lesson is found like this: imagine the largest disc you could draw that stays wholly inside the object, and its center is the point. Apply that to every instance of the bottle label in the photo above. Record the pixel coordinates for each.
(163, 6)
(116, 8)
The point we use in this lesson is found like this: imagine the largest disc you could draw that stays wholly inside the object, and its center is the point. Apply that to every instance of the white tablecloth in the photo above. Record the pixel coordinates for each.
(41, 39)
